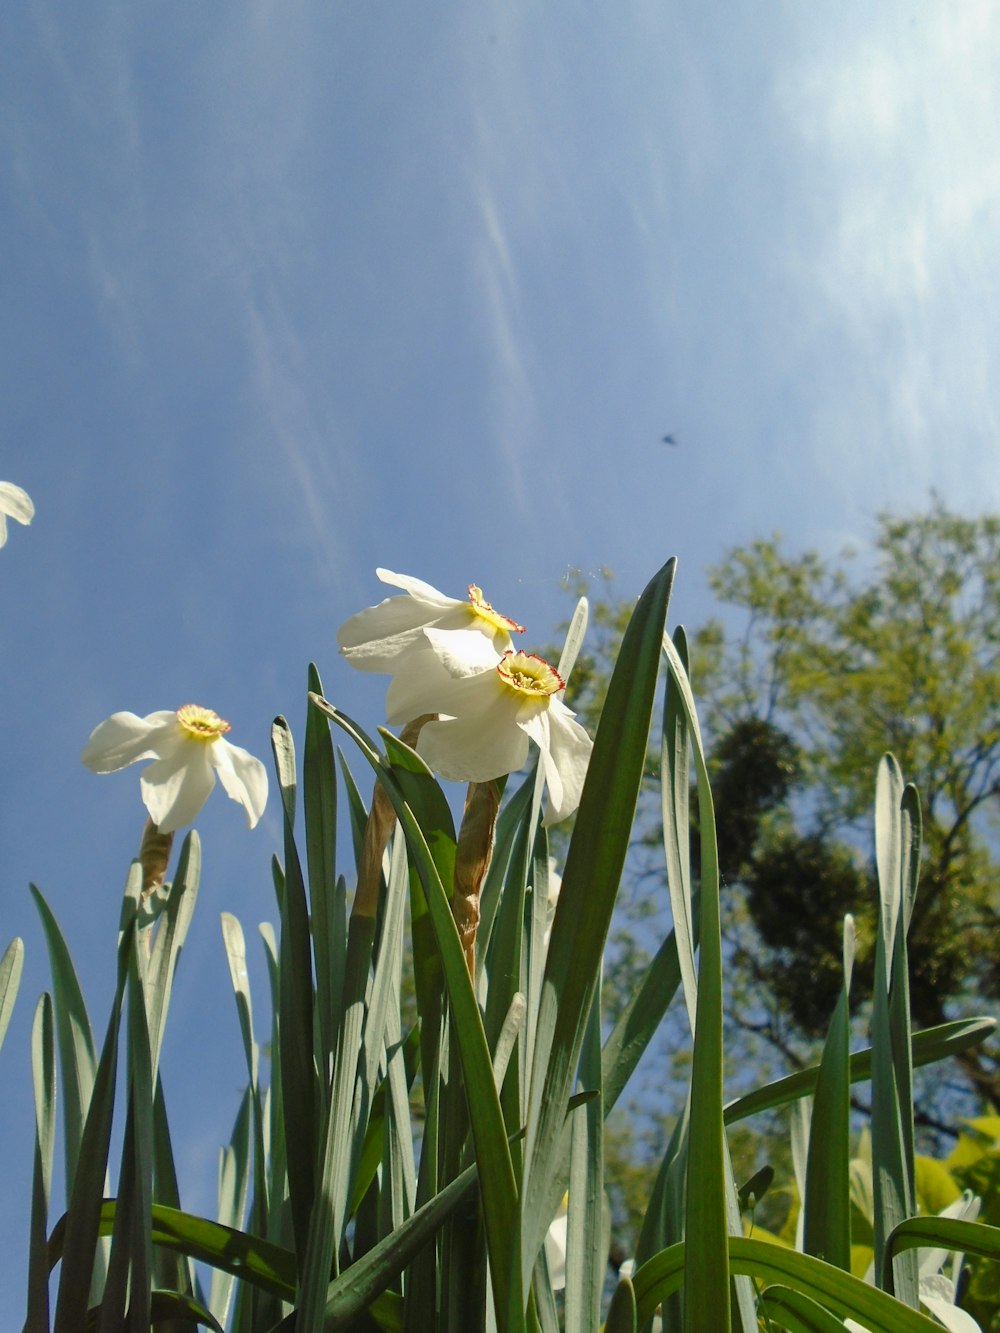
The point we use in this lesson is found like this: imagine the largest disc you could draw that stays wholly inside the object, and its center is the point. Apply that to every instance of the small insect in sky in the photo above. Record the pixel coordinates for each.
(668, 439)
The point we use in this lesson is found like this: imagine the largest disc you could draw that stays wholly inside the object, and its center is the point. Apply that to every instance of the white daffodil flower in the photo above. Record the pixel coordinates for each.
(14, 503)
(555, 1245)
(189, 750)
(937, 1290)
(383, 637)
(488, 716)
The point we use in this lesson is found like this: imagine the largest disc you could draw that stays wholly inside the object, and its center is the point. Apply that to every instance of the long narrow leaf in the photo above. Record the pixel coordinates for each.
(295, 1030)
(766, 1262)
(83, 1214)
(709, 1183)
(587, 1238)
(892, 1096)
(329, 930)
(675, 786)
(268, 1266)
(170, 936)
(827, 1202)
(43, 1070)
(74, 1035)
(496, 1174)
(11, 966)
(592, 873)
(947, 1233)
(928, 1046)
(790, 1309)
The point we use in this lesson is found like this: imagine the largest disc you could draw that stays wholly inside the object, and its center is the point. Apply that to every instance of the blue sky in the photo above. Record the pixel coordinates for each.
(295, 291)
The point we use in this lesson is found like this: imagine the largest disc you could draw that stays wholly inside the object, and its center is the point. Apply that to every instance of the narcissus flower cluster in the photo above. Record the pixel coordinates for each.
(188, 749)
(457, 659)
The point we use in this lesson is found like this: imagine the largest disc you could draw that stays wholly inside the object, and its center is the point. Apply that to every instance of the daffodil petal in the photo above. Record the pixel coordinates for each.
(555, 1250)
(418, 689)
(423, 592)
(565, 749)
(483, 745)
(957, 1321)
(464, 652)
(243, 777)
(175, 789)
(426, 687)
(16, 502)
(124, 739)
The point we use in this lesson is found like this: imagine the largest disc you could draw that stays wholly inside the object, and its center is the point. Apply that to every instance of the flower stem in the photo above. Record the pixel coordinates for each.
(154, 853)
(475, 847)
(378, 831)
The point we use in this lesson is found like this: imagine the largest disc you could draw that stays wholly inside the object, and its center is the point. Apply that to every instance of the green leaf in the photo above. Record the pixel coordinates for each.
(370, 1275)
(929, 1046)
(622, 1312)
(709, 1183)
(11, 965)
(43, 1070)
(574, 639)
(949, 1233)
(166, 1306)
(892, 1078)
(827, 1203)
(338, 1155)
(171, 933)
(329, 929)
(675, 788)
(75, 1039)
(295, 1028)
(591, 877)
(641, 1017)
(790, 1309)
(587, 1236)
(248, 1257)
(496, 1175)
(765, 1262)
(83, 1214)
(234, 1177)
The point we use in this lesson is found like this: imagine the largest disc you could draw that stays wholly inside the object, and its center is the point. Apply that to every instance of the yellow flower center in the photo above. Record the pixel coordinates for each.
(201, 724)
(482, 610)
(530, 675)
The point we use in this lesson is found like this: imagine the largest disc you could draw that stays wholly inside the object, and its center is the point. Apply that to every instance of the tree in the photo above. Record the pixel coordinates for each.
(824, 665)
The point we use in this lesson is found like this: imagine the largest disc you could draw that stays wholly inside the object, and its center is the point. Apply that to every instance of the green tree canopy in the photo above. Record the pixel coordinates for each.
(817, 667)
